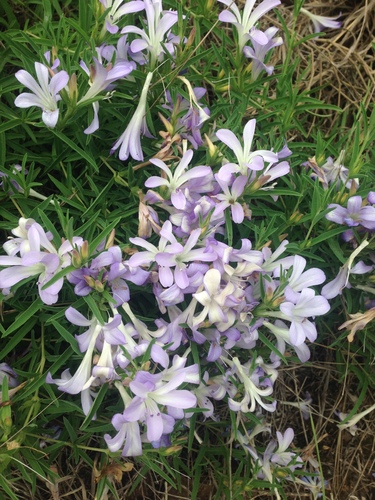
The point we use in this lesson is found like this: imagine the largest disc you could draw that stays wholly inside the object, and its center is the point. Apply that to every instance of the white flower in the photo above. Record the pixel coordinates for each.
(45, 95)
(130, 140)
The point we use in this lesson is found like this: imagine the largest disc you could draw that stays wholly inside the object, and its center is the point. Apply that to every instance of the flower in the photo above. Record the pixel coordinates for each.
(158, 24)
(179, 179)
(259, 51)
(248, 19)
(256, 384)
(306, 305)
(188, 126)
(213, 300)
(45, 94)
(247, 159)
(283, 457)
(358, 321)
(335, 287)
(130, 140)
(101, 78)
(229, 198)
(117, 11)
(350, 424)
(354, 215)
(321, 22)
(150, 392)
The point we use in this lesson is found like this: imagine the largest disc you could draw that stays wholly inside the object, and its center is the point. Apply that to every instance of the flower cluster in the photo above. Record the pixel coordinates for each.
(214, 295)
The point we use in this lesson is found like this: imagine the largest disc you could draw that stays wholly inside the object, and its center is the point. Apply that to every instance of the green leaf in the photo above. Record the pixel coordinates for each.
(94, 308)
(23, 317)
(96, 241)
(58, 275)
(76, 148)
(67, 336)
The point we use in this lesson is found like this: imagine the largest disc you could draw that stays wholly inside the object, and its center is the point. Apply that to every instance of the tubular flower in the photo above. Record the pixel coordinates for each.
(130, 140)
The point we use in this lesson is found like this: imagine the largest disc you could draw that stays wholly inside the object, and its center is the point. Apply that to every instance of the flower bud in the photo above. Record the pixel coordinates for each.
(99, 286)
(85, 250)
(73, 90)
(111, 240)
(76, 259)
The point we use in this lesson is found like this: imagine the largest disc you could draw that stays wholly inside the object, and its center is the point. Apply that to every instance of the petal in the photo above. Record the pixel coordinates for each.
(248, 135)
(50, 118)
(155, 181)
(13, 275)
(138, 45)
(230, 140)
(212, 280)
(76, 317)
(237, 213)
(28, 81)
(25, 100)
(58, 82)
(227, 17)
(94, 125)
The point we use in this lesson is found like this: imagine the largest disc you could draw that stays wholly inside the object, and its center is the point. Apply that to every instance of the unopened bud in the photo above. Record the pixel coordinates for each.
(85, 250)
(76, 258)
(191, 37)
(172, 449)
(72, 86)
(212, 149)
(99, 287)
(90, 281)
(277, 301)
(167, 124)
(111, 239)
(353, 187)
(295, 217)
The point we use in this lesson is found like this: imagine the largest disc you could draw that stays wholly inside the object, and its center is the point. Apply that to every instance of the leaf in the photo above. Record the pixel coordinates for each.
(76, 148)
(67, 336)
(58, 275)
(23, 317)
(94, 308)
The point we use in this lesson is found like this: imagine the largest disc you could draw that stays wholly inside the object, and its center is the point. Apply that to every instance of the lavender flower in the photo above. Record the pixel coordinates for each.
(229, 198)
(34, 262)
(130, 140)
(188, 126)
(259, 51)
(214, 300)
(45, 94)
(256, 385)
(321, 22)
(354, 215)
(118, 9)
(176, 182)
(247, 159)
(307, 305)
(283, 457)
(247, 20)
(101, 79)
(127, 432)
(150, 392)
(159, 24)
